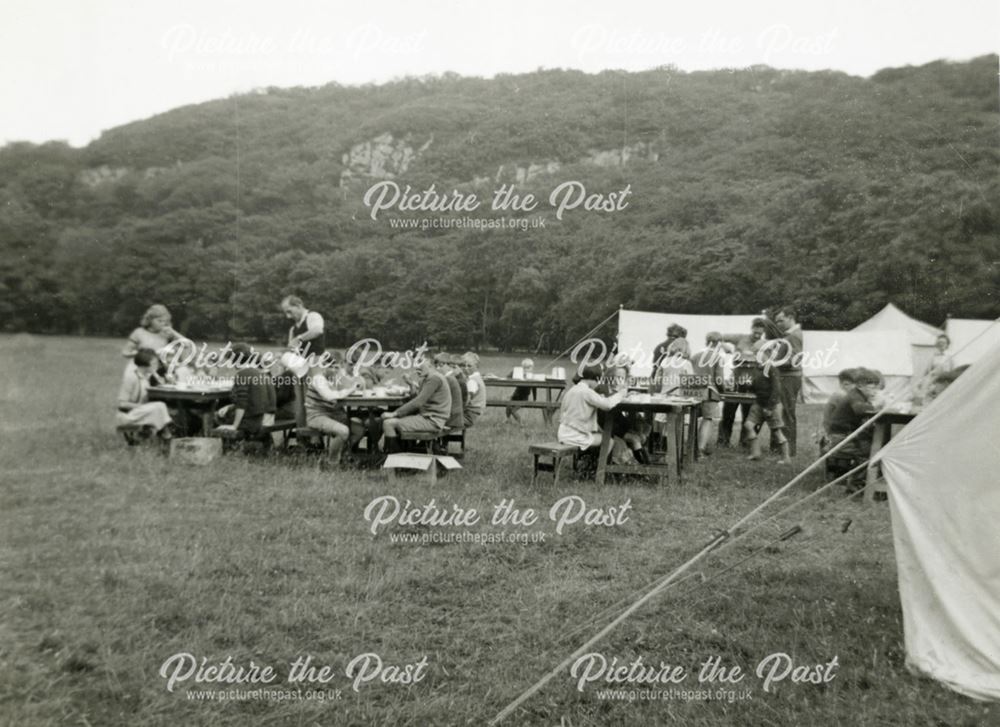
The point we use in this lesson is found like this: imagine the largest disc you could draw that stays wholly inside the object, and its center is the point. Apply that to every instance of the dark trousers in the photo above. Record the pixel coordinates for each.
(790, 387)
(729, 409)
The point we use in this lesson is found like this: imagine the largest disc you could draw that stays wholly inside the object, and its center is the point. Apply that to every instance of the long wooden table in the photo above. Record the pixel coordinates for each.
(196, 403)
(673, 461)
(881, 434)
(548, 407)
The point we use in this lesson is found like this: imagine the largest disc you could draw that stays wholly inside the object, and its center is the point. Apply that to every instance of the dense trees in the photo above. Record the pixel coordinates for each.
(749, 187)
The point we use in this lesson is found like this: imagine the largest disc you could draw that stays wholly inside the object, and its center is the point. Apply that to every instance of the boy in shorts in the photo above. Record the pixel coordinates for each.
(766, 409)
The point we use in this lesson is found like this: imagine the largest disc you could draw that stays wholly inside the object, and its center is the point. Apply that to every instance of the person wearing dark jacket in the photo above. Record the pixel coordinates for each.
(767, 408)
(254, 400)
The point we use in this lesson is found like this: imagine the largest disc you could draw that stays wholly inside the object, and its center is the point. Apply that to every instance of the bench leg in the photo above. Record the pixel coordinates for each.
(534, 471)
(556, 466)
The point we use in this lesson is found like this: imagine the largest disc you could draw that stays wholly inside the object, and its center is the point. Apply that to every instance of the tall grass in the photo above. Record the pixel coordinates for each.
(113, 559)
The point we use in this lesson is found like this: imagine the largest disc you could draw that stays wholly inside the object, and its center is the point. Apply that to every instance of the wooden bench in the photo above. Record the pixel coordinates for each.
(556, 453)
(428, 439)
(231, 437)
(454, 436)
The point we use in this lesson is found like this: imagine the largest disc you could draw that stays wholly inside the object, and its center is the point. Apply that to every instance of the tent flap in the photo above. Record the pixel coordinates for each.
(942, 476)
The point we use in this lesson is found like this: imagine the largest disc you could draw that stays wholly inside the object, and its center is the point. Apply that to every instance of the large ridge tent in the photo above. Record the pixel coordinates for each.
(826, 352)
(922, 336)
(971, 338)
(941, 472)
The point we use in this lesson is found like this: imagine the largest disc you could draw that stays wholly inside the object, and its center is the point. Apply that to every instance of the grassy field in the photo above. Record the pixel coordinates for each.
(114, 559)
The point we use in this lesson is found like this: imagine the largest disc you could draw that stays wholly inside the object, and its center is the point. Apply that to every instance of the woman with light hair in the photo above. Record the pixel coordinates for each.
(155, 332)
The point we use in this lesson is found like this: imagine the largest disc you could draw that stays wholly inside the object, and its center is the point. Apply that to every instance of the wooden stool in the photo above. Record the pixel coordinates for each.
(554, 451)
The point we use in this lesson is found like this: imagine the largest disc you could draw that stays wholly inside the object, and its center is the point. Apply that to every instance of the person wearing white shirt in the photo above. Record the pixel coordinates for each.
(578, 413)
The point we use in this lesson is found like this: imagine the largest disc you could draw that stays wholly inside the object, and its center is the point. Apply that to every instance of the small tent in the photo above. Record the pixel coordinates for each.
(942, 472)
(971, 338)
(922, 336)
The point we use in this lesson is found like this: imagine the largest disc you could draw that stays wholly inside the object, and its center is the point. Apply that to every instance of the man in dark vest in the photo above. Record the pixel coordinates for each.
(306, 336)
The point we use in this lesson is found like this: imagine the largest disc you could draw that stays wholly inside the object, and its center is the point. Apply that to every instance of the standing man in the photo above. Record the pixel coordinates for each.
(790, 371)
(306, 337)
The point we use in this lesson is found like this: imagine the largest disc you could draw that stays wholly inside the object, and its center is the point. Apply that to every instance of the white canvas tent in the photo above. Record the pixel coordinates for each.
(971, 338)
(922, 336)
(942, 472)
(826, 352)
(830, 352)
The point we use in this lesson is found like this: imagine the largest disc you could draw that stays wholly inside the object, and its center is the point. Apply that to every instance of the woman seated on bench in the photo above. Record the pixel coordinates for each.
(134, 407)
(578, 414)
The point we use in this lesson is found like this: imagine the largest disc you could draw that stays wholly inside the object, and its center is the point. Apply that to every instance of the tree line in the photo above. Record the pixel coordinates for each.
(748, 188)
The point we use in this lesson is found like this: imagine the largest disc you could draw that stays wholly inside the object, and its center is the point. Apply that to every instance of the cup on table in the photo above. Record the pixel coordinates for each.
(381, 391)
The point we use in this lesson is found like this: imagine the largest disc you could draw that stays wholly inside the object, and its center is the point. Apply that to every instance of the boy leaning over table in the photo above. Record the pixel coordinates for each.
(134, 407)
(578, 412)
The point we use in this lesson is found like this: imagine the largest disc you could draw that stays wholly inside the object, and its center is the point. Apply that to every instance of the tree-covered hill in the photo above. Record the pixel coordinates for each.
(749, 187)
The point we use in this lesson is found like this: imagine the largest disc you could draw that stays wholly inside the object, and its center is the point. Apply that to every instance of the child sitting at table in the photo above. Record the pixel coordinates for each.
(324, 413)
(254, 396)
(845, 379)
(521, 393)
(456, 420)
(629, 430)
(476, 405)
(578, 412)
(859, 401)
(134, 407)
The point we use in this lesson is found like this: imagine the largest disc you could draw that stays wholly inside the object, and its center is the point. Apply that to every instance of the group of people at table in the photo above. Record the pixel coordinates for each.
(448, 393)
(443, 393)
(763, 366)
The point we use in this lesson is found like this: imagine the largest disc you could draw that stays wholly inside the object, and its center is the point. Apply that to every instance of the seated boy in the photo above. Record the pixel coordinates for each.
(254, 399)
(846, 380)
(324, 412)
(578, 411)
(476, 405)
(860, 399)
(456, 419)
(134, 407)
(428, 411)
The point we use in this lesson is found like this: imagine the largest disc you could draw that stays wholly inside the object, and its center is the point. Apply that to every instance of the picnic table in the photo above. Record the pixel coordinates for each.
(881, 434)
(549, 406)
(196, 403)
(677, 444)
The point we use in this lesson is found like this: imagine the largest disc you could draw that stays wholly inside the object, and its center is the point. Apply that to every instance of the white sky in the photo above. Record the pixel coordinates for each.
(71, 68)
